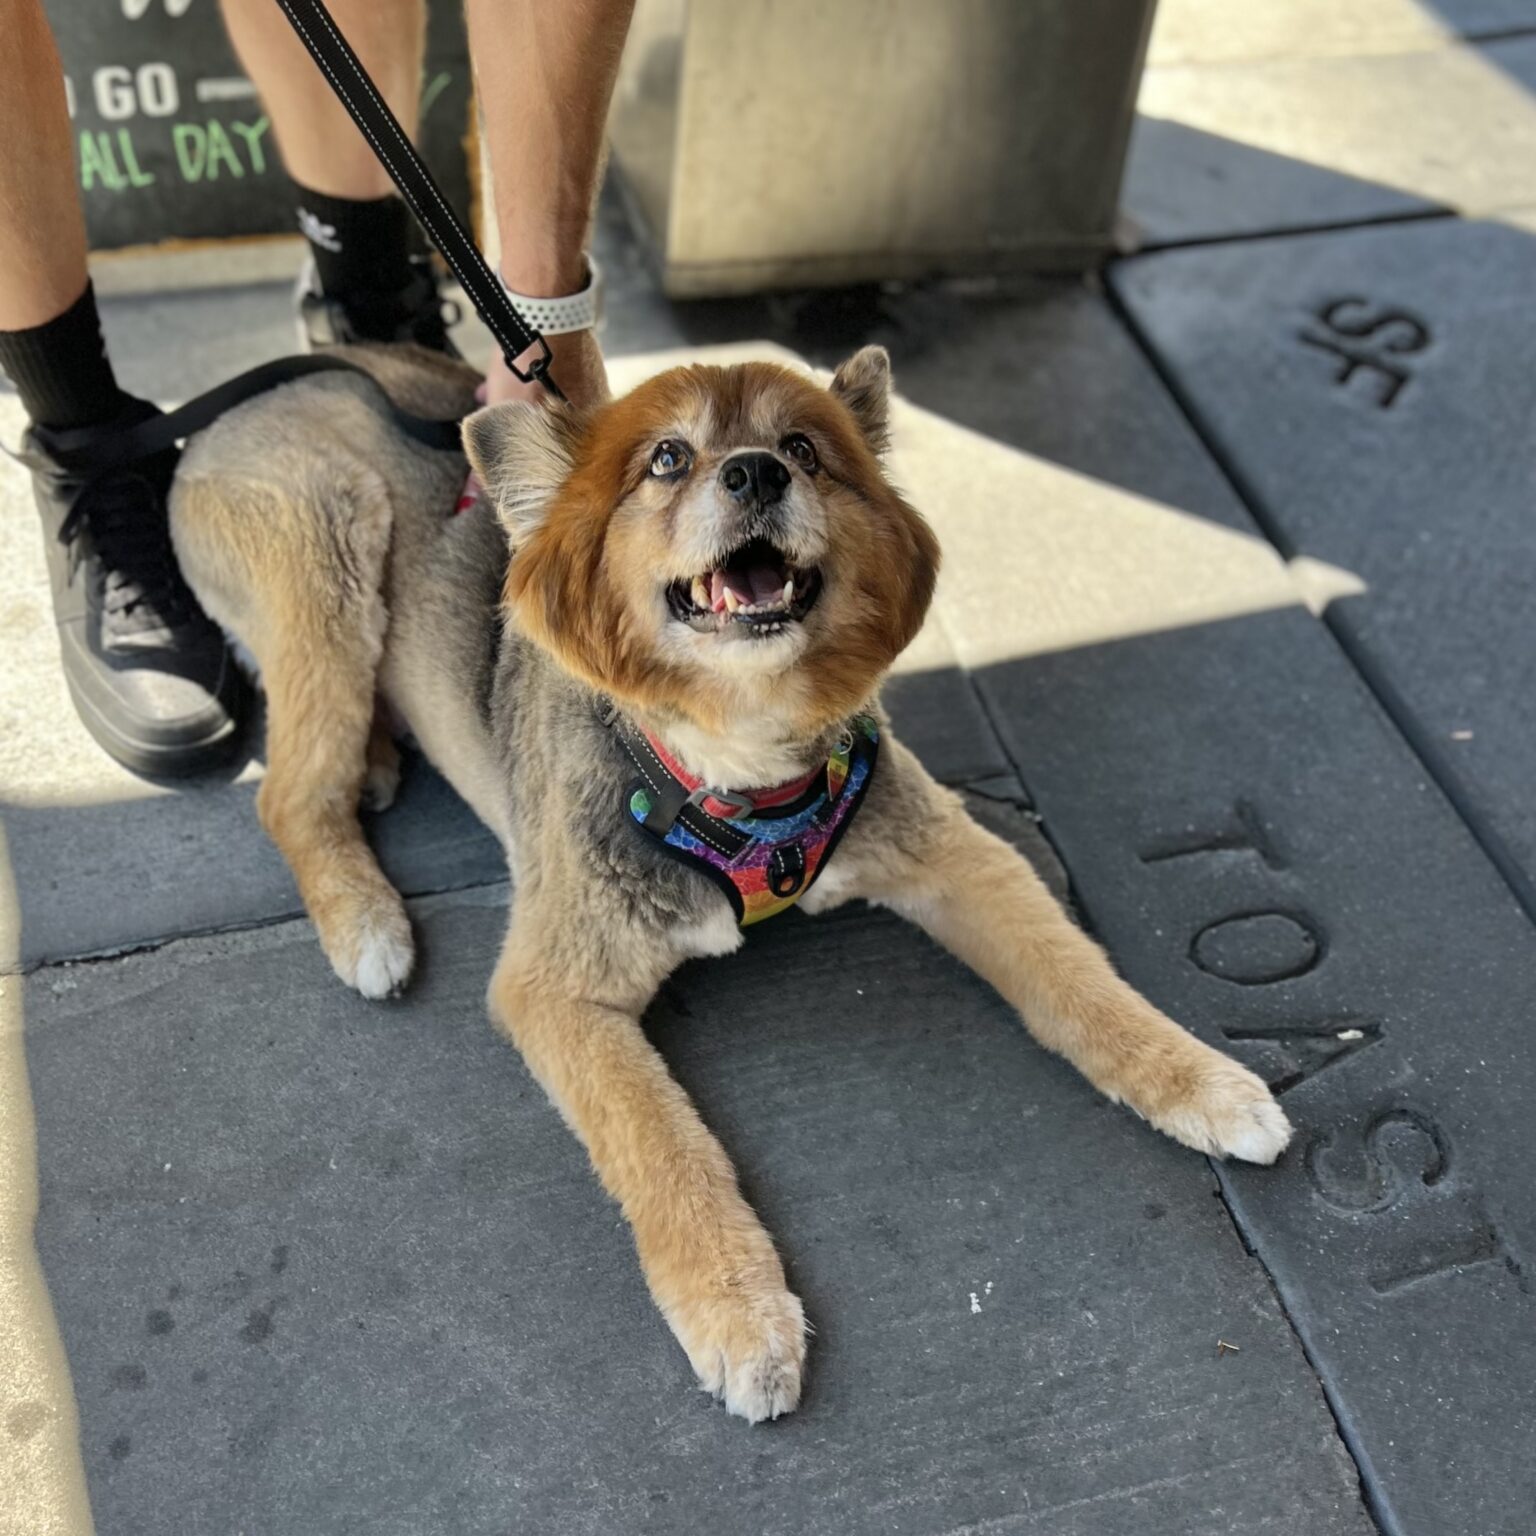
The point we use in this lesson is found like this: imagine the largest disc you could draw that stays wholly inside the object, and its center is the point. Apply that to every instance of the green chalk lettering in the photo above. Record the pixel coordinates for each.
(439, 84)
(98, 164)
(253, 133)
(220, 149)
(191, 145)
(137, 175)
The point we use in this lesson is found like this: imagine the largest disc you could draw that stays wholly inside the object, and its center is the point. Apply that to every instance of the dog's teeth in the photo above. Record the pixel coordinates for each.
(699, 593)
(732, 602)
(789, 591)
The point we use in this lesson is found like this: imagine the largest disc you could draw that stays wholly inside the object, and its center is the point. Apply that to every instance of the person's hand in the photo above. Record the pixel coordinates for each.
(576, 364)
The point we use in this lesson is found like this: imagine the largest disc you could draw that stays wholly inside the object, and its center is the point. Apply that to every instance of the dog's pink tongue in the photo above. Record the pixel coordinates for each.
(734, 581)
(767, 583)
(760, 584)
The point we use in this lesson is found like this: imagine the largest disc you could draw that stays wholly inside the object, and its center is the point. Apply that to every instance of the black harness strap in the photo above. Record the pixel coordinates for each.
(357, 93)
(90, 451)
(671, 803)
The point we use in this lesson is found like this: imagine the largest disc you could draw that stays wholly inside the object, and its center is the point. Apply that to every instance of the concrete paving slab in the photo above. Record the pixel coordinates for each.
(1184, 185)
(1267, 858)
(1367, 137)
(97, 877)
(327, 1266)
(1212, 31)
(1268, 862)
(1401, 360)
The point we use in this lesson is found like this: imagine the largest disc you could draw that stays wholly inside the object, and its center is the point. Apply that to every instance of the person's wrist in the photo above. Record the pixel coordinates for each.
(544, 276)
(578, 309)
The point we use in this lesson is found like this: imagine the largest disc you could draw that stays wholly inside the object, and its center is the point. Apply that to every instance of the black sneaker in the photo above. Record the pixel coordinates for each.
(415, 313)
(149, 673)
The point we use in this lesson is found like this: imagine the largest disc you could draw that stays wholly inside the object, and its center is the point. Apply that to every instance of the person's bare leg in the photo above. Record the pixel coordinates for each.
(365, 280)
(544, 74)
(321, 146)
(42, 231)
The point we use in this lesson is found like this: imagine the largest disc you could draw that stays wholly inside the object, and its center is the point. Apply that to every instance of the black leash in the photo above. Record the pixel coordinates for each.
(91, 451)
(398, 156)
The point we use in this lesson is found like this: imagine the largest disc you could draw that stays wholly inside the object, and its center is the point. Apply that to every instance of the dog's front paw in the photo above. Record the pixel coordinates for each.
(1227, 1111)
(373, 952)
(747, 1348)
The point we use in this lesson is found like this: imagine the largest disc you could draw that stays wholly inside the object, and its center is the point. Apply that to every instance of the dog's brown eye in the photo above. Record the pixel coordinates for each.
(670, 458)
(798, 446)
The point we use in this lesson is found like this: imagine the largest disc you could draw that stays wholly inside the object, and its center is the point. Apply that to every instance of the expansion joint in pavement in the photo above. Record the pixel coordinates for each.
(253, 925)
(1370, 1501)
(1498, 35)
(1289, 231)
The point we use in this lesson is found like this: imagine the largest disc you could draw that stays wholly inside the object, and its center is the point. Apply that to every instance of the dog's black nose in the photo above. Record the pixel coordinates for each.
(754, 478)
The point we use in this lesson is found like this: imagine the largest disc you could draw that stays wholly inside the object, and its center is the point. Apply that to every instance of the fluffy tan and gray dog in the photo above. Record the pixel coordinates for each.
(715, 568)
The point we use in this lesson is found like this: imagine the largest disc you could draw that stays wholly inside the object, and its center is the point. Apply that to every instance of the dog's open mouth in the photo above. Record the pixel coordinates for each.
(757, 589)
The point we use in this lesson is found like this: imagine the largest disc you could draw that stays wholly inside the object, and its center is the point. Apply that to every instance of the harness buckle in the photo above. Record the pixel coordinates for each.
(739, 805)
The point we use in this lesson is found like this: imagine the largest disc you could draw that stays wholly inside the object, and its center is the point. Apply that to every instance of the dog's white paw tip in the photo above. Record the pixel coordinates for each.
(764, 1389)
(754, 1356)
(384, 962)
(1229, 1113)
(1261, 1135)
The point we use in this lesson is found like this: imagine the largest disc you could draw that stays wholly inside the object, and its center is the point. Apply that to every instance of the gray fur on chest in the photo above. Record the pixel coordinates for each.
(569, 781)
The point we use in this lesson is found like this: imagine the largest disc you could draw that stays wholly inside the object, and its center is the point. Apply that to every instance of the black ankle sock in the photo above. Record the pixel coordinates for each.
(61, 371)
(360, 247)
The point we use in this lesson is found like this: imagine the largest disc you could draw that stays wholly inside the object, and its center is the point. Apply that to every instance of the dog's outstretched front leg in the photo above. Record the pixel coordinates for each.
(710, 1265)
(981, 900)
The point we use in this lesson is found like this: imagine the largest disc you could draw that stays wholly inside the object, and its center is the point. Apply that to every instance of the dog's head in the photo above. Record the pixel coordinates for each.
(722, 541)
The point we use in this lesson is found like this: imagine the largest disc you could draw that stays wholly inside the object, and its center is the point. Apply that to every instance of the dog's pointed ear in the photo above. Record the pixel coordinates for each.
(523, 453)
(863, 384)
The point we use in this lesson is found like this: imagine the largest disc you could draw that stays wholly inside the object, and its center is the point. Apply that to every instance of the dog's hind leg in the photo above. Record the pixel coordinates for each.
(382, 781)
(296, 570)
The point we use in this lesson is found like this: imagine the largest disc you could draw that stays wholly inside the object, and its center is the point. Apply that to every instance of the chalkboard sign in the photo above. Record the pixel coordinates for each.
(170, 137)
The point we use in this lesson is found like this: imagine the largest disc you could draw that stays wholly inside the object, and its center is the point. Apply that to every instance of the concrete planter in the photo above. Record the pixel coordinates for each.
(772, 143)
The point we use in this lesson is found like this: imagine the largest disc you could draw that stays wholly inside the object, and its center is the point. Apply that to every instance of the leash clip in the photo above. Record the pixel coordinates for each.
(538, 370)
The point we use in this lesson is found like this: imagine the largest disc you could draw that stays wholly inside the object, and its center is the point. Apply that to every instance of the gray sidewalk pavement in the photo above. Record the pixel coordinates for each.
(1227, 639)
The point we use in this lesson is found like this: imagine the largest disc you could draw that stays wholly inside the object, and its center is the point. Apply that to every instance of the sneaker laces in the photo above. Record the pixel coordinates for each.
(129, 535)
(416, 312)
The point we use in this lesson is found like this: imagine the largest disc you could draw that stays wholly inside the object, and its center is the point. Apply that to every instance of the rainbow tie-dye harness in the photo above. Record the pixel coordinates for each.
(764, 850)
